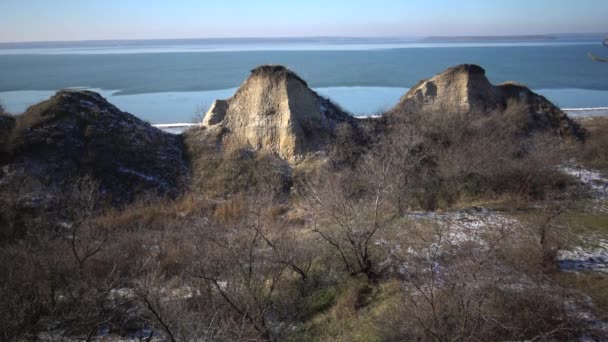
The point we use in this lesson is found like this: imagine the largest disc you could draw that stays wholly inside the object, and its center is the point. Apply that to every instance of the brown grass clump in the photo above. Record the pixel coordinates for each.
(595, 149)
(218, 172)
(230, 209)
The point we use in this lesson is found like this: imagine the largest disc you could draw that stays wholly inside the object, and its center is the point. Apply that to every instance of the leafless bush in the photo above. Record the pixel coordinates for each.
(409, 157)
(535, 246)
(186, 309)
(351, 210)
(450, 156)
(348, 144)
(458, 290)
(246, 259)
(594, 151)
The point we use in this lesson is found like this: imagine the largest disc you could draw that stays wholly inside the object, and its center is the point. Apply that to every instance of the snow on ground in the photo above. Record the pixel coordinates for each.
(580, 258)
(592, 254)
(469, 224)
(175, 128)
(597, 183)
(148, 178)
(88, 104)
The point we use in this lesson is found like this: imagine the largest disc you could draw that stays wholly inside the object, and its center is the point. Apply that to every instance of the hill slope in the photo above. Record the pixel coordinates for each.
(78, 133)
(465, 88)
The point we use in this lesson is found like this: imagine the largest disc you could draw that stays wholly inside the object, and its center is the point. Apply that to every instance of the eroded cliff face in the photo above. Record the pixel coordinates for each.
(460, 88)
(274, 110)
(465, 88)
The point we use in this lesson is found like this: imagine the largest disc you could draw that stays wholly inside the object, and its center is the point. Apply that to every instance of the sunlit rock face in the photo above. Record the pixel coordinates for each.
(275, 110)
(465, 88)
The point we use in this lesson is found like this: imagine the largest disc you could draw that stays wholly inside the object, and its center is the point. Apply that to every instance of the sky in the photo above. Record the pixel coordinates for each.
(66, 20)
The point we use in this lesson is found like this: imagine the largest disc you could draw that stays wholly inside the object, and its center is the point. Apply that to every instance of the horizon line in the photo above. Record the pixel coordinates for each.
(548, 35)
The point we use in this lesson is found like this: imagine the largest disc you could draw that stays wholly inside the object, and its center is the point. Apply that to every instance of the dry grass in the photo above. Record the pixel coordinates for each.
(231, 209)
(155, 212)
(348, 319)
(219, 173)
(595, 149)
(589, 284)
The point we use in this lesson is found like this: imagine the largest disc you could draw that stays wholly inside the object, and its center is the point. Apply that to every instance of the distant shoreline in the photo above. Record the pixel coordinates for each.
(522, 38)
(574, 113)
(319, 39)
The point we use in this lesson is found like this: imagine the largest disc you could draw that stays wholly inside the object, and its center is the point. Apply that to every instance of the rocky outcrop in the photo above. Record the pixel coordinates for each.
(274, 110)
(465, 88)
(78, 133)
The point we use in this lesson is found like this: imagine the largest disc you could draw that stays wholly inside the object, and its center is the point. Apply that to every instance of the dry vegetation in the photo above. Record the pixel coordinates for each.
(244, 256)
(595, 151)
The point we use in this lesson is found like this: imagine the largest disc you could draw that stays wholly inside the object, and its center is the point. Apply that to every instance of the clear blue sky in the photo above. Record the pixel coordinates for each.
(41, 20)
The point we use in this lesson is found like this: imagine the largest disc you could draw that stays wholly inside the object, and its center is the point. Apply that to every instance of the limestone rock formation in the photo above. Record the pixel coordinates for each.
(465, 88)
(275, 110)
(78, 133)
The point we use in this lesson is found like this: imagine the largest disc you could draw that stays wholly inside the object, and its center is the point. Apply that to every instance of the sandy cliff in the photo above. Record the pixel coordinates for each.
(275, 110)
(465, 88)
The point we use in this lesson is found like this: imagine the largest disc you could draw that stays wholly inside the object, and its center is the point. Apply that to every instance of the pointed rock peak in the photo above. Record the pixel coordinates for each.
(275, 110)
(276, 72)
(466, 68)
(461, 88)
(465, 89)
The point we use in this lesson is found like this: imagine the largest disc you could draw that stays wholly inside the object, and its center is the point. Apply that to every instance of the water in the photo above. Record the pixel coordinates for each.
(171, 81)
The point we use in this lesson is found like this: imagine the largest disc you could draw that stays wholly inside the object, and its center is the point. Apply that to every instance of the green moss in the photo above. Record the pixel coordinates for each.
(588, 223)
(357, 308)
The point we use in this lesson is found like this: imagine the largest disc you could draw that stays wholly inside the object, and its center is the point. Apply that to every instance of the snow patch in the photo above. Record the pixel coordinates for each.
(138, 174)
(175, 125)
(88, 104)
(468, 225)
(592, 179)
(586, 259)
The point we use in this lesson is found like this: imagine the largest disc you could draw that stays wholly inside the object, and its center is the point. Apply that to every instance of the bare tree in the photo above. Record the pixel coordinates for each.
(79, 208)
(446, 287)
(405, 148)
(349, 211)
(546, 236)
(245, 262)
(181, 309)
(149, 291)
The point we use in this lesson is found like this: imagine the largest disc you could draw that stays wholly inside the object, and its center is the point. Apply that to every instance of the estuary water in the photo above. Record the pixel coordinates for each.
(173, 81)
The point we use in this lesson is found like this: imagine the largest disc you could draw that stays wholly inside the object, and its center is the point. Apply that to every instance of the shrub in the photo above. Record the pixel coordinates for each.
(217, 173)
(442, 158)
(595, 149)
